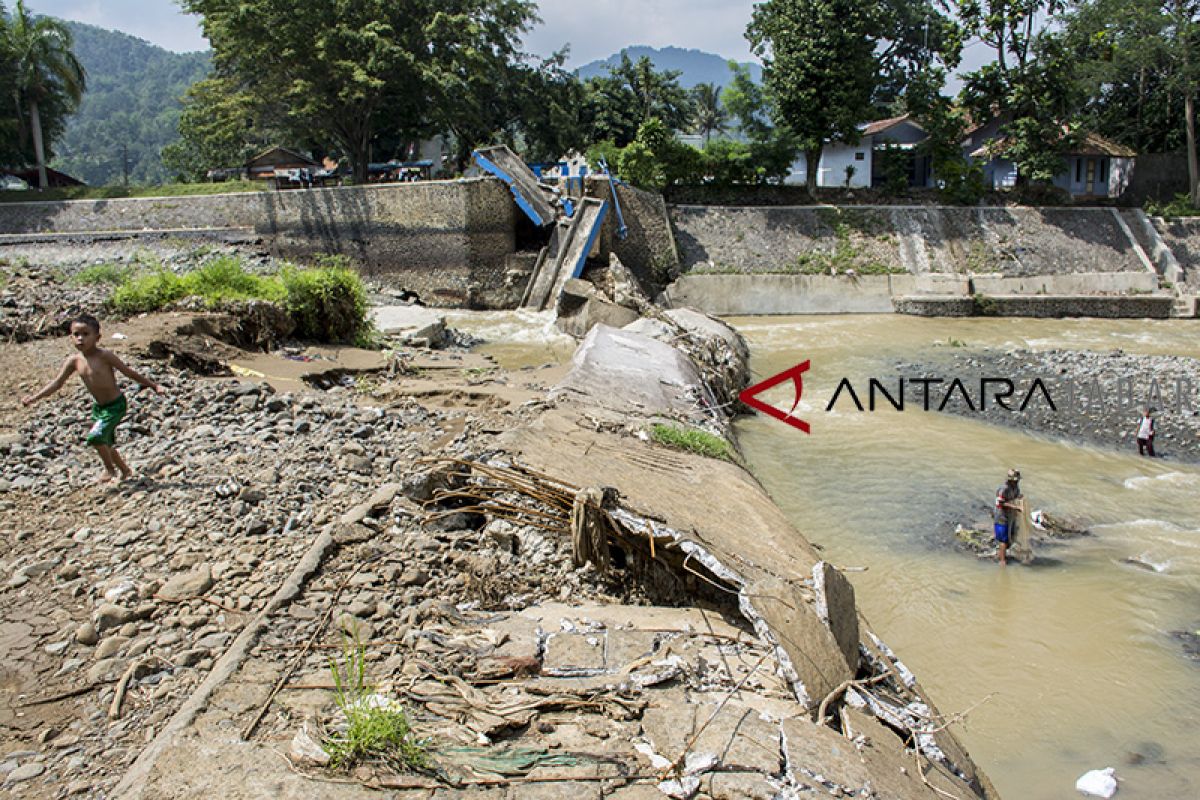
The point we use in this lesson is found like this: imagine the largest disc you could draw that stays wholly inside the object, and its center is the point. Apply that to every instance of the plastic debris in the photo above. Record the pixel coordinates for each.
(1098, 783)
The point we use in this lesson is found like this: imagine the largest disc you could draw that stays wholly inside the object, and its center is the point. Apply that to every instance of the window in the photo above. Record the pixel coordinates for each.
(1079, 170)
(860, 156)
(1104, 170)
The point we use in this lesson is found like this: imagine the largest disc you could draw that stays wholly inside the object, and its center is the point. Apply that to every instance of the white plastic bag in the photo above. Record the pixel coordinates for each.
(1098, 783)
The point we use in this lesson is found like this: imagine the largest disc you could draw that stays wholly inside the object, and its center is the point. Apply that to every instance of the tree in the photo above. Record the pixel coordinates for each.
(1138, 63)
(744, 102)
(47, 79)
(708, 115)
(346, 71)
(219, 127)
(632, 94)
(819, 67)
(547, 117)
(1031, 84)
(912, 37)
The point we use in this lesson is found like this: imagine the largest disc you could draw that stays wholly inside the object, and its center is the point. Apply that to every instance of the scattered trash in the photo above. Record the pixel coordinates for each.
(1098, 783)
(119, 336)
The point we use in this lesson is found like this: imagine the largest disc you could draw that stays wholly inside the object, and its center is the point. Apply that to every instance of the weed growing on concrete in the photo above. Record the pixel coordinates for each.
(1179, 206)
(377, 729)
(692, 440)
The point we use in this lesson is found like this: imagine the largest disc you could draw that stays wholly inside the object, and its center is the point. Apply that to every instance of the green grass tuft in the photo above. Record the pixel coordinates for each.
(328, 304)
(110, 274)
(373, 733)
(692, 440)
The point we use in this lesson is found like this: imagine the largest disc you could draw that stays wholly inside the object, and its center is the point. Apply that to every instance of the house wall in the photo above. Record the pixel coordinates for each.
(1120, 175)
(1000, 173)
(835, 157)
(901, 133)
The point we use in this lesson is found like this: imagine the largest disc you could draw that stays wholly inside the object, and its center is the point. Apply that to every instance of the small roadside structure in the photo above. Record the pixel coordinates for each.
(54, 178)
(267, 164)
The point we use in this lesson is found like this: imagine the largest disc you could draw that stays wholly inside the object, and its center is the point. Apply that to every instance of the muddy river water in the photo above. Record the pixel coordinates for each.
(1067, 667)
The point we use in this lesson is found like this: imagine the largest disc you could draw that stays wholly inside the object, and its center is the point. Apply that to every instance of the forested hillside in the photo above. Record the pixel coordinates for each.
(694, 66)
(132, 102)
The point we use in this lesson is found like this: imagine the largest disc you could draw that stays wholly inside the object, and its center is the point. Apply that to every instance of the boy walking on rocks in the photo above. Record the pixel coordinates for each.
(95, 367)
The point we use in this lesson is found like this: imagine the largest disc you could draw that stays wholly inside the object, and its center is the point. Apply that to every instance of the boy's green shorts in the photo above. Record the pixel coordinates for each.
(104, 421)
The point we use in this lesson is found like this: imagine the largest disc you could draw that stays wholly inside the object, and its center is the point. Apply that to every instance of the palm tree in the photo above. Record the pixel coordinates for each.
(709, 116)
(44, 66)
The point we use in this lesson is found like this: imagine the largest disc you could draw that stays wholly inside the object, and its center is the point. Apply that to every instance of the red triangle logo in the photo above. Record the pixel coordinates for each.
(749, 395)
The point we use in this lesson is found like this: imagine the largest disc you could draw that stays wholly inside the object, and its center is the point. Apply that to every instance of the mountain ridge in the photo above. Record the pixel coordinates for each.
(696, 66)
(130, 109)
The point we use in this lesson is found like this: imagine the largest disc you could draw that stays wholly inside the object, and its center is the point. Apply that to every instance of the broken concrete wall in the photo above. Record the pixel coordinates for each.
(709, 519)
(648, 249)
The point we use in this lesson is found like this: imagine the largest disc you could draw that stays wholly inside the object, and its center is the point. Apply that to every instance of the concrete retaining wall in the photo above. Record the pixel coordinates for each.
(1015, 242)
(735, 295)
(446, 240)
(1132, 307)
(1181, 236)
(1068, 284)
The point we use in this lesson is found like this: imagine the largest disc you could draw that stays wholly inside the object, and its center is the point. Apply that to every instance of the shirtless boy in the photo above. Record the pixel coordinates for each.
(95, 366)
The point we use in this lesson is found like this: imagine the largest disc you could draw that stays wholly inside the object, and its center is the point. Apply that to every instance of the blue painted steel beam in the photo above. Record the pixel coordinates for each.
(522, 203)
(577, 267)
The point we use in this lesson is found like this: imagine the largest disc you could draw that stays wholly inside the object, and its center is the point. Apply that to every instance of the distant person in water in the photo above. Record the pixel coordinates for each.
(1005, 512)
(1145, 434)
(95, 366)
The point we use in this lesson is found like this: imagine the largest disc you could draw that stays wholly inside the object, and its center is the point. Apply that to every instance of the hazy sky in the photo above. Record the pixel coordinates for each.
(593, 28)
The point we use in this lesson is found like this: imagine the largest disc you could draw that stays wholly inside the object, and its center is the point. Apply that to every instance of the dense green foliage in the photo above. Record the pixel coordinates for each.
(1137, 66)
(44, 83)
(618, 104)
(341, 74)
(819, 68)
(328, 303)
(1029, 85)
(130, 110)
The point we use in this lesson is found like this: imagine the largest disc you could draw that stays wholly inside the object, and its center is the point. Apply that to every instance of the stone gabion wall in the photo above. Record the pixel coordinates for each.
(446, 240)
(1015, 242)
(648, 249)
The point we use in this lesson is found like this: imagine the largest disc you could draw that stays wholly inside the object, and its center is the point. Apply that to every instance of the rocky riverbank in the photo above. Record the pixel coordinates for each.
(562, 606)
(1089, 397)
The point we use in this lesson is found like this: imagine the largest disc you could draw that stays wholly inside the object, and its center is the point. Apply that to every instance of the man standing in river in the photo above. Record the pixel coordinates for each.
(1145, 434)
(1005, 512)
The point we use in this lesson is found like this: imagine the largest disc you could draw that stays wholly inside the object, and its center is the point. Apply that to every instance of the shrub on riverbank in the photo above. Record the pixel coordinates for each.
(327, 303)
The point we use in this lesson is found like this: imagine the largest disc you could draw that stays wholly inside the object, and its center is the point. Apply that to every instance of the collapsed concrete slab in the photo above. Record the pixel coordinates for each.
(627, 373)
(414, 325)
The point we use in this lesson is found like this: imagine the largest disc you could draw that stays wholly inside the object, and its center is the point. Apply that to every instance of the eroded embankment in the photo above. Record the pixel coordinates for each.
(562, 607)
